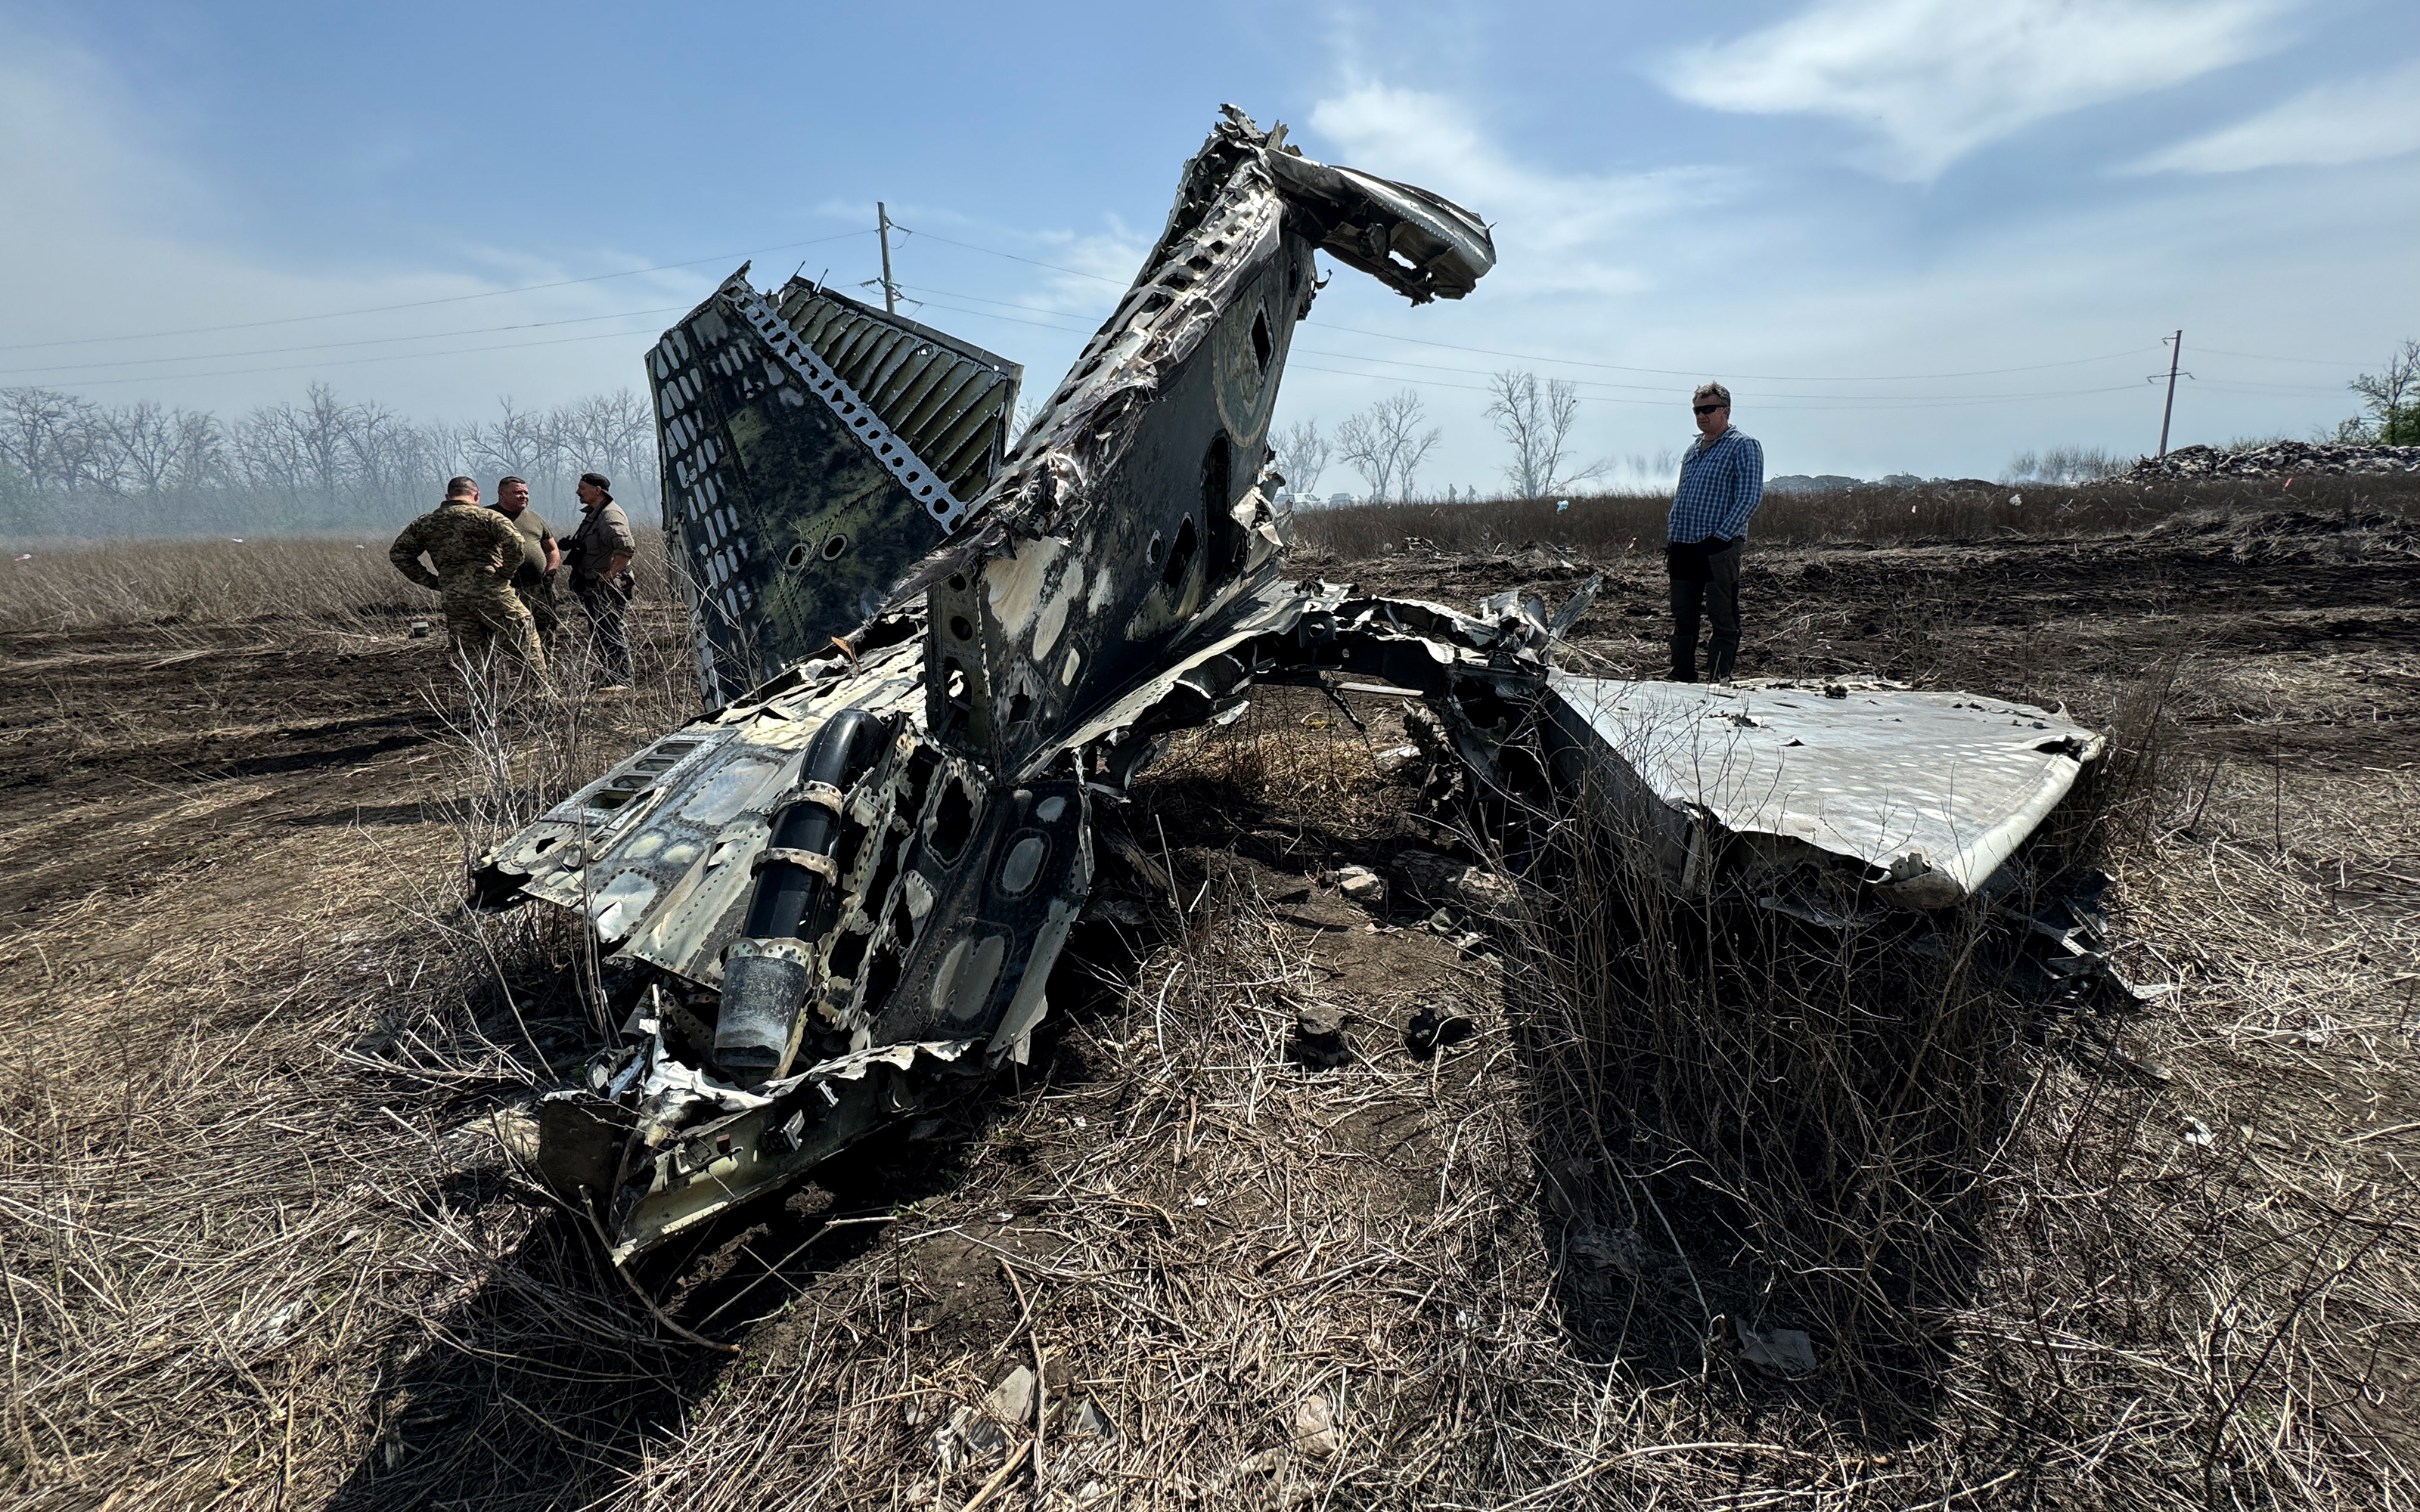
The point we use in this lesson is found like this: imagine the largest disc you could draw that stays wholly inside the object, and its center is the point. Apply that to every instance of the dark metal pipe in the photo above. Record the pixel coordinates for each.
(768, 970)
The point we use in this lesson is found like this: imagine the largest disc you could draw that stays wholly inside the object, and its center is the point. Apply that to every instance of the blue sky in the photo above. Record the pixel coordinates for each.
(1912, 235)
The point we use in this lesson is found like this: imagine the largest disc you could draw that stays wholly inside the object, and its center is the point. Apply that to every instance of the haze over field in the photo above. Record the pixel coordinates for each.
(1826, 205)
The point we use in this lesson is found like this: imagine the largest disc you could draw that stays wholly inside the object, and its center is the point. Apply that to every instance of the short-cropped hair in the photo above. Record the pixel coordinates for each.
(461, 488)
(510, 478)
(1711, 390)
(598, 480)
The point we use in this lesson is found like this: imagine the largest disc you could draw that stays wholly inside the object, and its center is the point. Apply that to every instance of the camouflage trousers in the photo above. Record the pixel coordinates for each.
(493, 625)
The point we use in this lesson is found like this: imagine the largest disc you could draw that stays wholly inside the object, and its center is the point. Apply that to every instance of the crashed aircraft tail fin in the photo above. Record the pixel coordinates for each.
(815, 449)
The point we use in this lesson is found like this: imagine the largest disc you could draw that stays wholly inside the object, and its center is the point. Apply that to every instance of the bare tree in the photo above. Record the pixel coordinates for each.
(614, 434)
(1386, 444)
(1359, 442)
(319, 426)
(320, 462)
(201, 451)
(144, 438)
(1302, 454)
(48, 435)
(2393, 399)
(388, 455)
(1536, 421)
(519, 441)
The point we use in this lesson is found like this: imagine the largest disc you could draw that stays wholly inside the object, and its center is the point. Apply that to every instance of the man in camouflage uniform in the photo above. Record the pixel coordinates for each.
(477, 552)
(599, 556)
(533, 581)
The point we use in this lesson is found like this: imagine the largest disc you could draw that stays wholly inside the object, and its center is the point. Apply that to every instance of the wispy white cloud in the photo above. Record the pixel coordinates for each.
(2053, 310)
(1936, 79)
(1557, 233)
(138, 256)
(2358, 120)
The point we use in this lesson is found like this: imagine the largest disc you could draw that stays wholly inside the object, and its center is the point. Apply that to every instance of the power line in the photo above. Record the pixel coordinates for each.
(1868, 404)
(1571, 362)
(1754, 377)
(355, 361)
(2263, 357)
(2257, 386)
(1778, 401)
(422, 304)
(987, 314)
(995, 251)
(337, 346)
(1781, 401)
(1785, 400)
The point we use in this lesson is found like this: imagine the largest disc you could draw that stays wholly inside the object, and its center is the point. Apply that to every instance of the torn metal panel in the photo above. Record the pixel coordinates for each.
(815, 449)
(948, 402)
(1421, 245)
(1928, 793)
(658, 851)
(1134, 519)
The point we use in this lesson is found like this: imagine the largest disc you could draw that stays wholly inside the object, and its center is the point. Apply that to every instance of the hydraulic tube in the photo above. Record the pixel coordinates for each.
(768, 970)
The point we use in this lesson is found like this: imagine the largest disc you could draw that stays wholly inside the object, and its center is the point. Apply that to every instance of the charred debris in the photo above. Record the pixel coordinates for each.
(934, 653)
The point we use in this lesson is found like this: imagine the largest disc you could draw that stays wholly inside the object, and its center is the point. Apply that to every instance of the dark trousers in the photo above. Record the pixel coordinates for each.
(545, 612)
(1717, 592)
(608, 627)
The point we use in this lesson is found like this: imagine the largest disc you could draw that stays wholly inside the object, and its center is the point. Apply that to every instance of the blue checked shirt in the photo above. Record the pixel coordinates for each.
(1720, 488)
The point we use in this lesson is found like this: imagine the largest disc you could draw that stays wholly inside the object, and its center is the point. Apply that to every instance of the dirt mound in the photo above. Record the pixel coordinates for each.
(2277, 459)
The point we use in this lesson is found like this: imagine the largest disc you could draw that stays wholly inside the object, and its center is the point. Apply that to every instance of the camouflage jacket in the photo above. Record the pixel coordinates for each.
(477, 549)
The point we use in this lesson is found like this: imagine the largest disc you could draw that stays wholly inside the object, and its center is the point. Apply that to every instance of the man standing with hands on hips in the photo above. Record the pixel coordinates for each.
(599, 555)
(1722, 480)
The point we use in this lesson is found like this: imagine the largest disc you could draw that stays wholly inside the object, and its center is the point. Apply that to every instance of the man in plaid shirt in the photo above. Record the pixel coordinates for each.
(1722, 480)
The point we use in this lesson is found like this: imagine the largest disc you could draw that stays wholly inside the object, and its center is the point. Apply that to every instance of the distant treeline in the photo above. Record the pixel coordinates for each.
(69, 466)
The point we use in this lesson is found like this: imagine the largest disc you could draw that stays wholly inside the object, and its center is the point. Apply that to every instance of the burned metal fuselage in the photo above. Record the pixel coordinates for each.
(849, 883)
(845, 887)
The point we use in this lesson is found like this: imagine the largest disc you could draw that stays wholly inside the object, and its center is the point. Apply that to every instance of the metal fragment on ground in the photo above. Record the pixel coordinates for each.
(1925, 794)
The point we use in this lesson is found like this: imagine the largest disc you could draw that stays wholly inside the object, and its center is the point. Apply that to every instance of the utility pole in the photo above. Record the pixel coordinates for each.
(891, 290)
(2176, 353)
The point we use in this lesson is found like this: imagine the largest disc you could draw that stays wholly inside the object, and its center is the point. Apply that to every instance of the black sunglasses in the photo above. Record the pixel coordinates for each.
(1708, 409)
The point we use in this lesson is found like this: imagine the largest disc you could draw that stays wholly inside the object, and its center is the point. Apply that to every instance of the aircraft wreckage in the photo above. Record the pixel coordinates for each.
(933, 652)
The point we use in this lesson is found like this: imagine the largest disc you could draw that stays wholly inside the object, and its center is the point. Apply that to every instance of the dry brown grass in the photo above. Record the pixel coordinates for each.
(249, 1103)
(1605, 526)
(264, 1248)
(2073, 1256)
(71, 585)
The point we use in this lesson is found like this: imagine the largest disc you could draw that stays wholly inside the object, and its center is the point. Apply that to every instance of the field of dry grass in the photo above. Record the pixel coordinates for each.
(1607, 526)
(1301, 1202)
(58, 586)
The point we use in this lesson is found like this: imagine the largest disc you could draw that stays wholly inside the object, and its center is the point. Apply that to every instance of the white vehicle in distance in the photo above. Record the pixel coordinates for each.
(1338, 500)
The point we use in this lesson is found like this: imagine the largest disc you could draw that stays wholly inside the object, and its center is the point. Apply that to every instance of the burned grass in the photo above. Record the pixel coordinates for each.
(1488, 1243)
(1964, 511)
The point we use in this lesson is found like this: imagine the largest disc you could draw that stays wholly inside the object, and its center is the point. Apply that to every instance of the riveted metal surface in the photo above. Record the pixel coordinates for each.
(794, 498)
